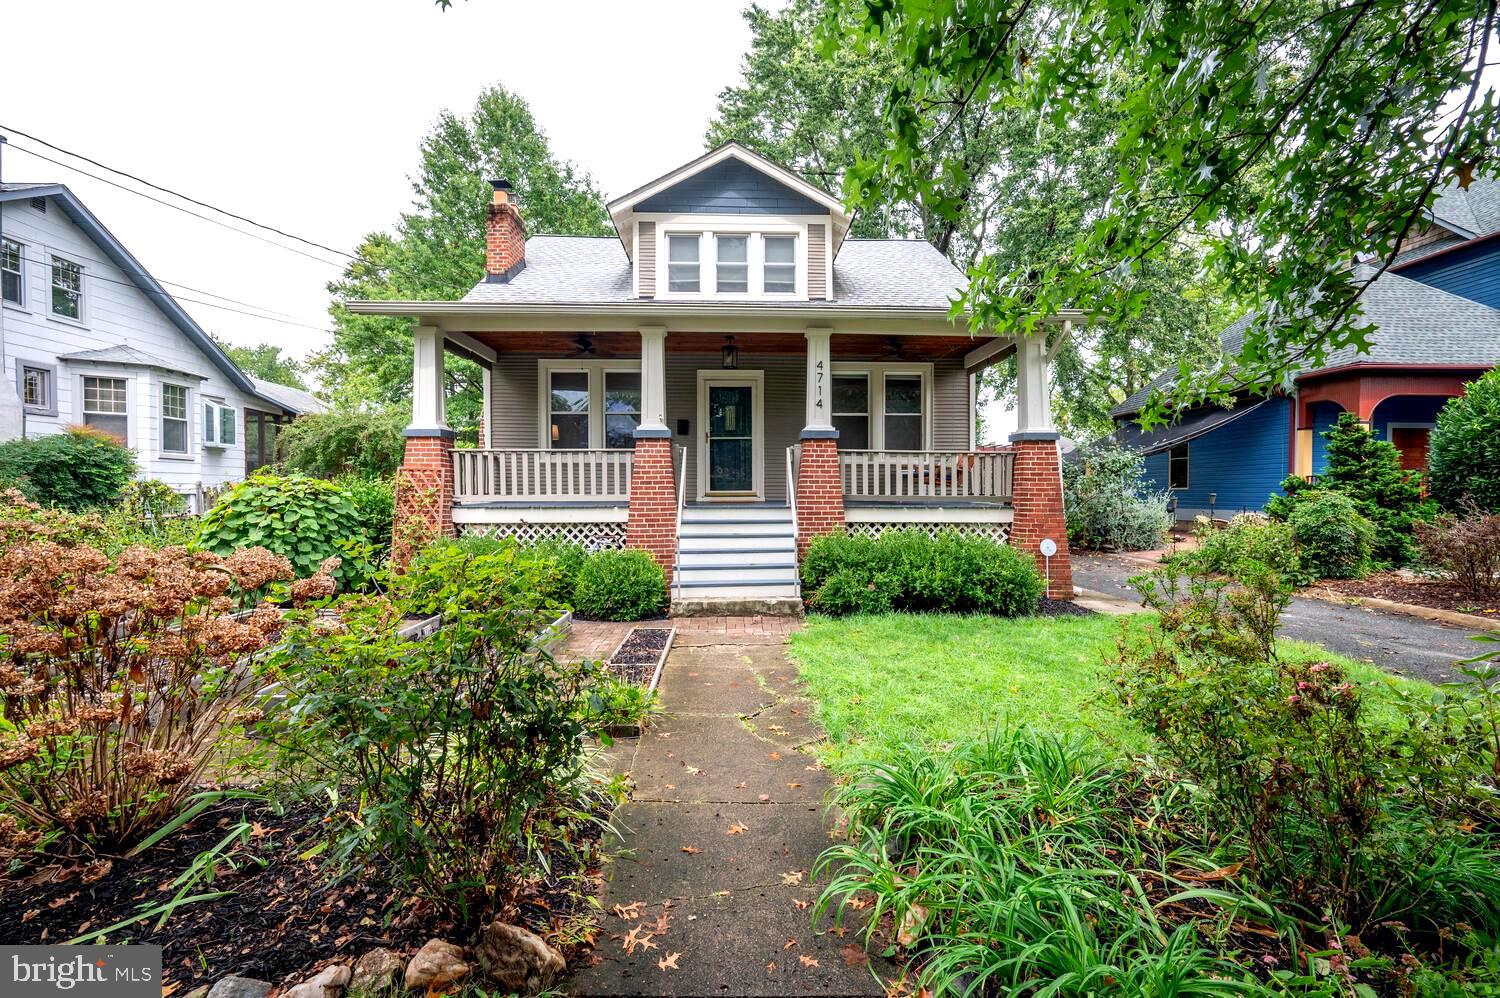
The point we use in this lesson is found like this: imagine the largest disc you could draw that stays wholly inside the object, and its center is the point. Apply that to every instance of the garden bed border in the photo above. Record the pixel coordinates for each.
(634, 730)
(1454, 617)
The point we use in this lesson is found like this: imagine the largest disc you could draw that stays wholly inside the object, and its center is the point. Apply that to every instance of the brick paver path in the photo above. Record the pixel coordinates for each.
(720, 836)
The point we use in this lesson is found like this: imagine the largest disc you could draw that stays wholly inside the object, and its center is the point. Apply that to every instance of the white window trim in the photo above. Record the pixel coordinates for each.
(132, 431)
(706, 228)
(1187, 460)
(83, 291)
(834, 414)
(220, 406)
(1390, 436)
(25, 264)
(22, 365)
(877, 373)
(161, 419)
(757, 382)
(595, 370)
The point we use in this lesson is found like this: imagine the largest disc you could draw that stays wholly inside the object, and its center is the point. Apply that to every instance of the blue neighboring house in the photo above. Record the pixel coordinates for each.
(1437, 319)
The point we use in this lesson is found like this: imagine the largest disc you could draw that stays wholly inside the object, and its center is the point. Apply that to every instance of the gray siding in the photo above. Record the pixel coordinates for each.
(731, 188)
(513, 406)
(817, 261)
(645, 256)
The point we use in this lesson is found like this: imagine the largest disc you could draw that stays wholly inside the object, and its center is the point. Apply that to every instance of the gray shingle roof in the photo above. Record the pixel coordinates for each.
(122, 354)
(593, 270)
(1475, 210)
(1416, 324)
(294, 400)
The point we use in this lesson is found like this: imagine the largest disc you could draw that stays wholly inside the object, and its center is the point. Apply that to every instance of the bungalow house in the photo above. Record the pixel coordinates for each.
(726, 377)
(1437, 318)
(87, 336)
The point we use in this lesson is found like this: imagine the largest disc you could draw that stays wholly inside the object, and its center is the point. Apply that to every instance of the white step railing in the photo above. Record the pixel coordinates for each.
(542, 475)
(911, 474)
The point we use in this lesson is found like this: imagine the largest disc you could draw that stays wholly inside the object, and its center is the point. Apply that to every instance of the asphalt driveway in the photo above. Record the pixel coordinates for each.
(1407, 646)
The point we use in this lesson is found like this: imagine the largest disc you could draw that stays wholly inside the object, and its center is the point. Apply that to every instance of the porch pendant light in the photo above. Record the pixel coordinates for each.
(730, 355)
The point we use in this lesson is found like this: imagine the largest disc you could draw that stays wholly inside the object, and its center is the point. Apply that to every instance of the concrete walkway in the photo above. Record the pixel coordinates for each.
(720, 837)
(1407, 646)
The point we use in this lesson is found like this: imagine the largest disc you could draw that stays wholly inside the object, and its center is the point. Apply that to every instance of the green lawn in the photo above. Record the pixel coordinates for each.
(938, 678)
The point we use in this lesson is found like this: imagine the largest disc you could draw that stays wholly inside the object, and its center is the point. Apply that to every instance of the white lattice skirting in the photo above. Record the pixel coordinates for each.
(997, 532)
(593, 536)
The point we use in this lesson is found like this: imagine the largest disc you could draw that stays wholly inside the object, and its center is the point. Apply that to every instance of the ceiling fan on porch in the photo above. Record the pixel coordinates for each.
(583, 346)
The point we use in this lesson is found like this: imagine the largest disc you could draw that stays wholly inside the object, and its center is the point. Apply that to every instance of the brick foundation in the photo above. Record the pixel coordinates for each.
(652, 525)
(820, 492)
(424, 495)
(1038, 503)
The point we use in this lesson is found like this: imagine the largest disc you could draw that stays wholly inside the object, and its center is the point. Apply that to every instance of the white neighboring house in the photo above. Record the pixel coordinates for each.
(88, 336)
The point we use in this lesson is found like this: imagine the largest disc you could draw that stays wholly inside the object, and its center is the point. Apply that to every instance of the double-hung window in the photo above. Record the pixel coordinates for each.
(12, 285)
(1177, 467)
(106, 405)
(780, 275)
(174, 419)
(851, 410)
(38, 389)
(568, 406)
(682, 262)
(903, 412)
(732, 272)
(67, 288)
(622, 408)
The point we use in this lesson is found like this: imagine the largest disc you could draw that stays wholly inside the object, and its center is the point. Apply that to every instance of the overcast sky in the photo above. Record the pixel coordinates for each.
(307, 116)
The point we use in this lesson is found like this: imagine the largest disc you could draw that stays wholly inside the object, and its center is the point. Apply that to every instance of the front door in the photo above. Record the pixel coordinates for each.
(729, 453)
(1412, 442)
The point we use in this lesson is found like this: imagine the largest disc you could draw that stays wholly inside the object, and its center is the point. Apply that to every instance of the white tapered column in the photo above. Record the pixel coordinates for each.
(819, 421)
(429, 415)
(654, 381)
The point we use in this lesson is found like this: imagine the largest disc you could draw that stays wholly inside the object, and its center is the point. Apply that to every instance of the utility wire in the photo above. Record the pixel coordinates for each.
(178, 207)
(176, 194)
(89, 275)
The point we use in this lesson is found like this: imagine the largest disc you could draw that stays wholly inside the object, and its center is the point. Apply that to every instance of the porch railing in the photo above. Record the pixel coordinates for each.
(542, 475)
(910, 474)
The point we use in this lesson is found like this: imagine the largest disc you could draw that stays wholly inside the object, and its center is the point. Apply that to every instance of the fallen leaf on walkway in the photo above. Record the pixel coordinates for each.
(789, 944)
(802, 903)
(638, 938)
(669, 786)
(778, 729)
(794, 786)
(694, 770)
(771, 968)
(629, 912)
(858, 902)
(737, 829)
(668, 962)
(807, 961)
(691, 850)
(765, 797)
(814, 768)
(774, 755)
(854, 955)
(911, 925)
(662, 923)
(741, 785)
(791, 879)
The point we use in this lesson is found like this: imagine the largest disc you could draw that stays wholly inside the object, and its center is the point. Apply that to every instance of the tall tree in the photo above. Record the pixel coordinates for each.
(437, 251)
(1289, 136)
(265, 361)
(1003, 185)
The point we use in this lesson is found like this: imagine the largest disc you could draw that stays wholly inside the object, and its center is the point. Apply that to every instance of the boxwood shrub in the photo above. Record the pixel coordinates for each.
(907, 570)
(619, 585)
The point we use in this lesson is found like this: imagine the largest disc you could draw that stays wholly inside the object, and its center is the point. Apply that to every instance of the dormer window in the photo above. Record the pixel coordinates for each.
(733, 273)
(682, 262)
(781, 265)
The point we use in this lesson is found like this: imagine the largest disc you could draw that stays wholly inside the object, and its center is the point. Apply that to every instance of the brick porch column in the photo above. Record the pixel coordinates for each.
(1038, 506)
(424, 488)
(820, 487)
(652, 522)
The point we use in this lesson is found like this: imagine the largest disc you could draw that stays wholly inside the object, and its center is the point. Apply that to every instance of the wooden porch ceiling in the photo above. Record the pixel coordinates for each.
(609, 345)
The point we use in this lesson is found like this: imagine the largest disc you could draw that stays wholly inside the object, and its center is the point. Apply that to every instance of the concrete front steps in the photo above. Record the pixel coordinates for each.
(736, 558)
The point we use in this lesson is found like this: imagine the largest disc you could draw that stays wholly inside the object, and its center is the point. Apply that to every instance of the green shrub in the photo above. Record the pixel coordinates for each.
(459, 576)
(620, 585)
(910, 571)
(345, 442)
(1248, 540)
(1333, 539)
(1349, 817)
(457, 761)
(1464, 454)
(374, 502)
(1368, 471)
(305, 520)
(1108, 503)
(1294, 488)
(569, 558)
(77, 470)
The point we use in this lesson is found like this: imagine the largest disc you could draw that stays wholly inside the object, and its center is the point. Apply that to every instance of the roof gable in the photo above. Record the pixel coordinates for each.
(732, 187)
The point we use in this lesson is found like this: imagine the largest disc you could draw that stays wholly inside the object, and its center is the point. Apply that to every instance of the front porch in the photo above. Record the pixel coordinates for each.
(610, 438)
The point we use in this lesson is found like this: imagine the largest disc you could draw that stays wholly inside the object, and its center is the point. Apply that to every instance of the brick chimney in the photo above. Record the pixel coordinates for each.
(505, 236)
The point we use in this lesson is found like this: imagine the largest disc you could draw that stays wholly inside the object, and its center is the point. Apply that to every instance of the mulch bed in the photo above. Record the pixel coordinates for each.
(284, 916)
(1402, 587)
(635, 662)
(1049, 607)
